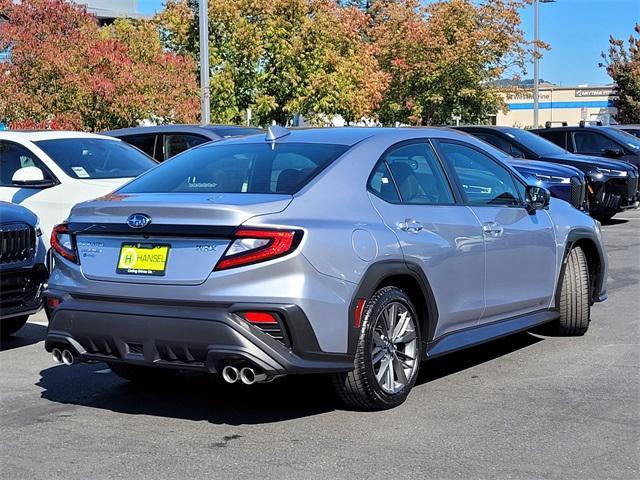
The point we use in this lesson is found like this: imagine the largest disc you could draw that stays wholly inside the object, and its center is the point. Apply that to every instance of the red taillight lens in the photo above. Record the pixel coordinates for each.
(261, 318)
(53, 303)
(62, 242)
(258, 245)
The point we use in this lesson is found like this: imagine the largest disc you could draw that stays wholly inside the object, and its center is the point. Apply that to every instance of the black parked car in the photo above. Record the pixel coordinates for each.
(164, 141)
(633, 129)
(595, 140)
(22, 267)
(612, 185)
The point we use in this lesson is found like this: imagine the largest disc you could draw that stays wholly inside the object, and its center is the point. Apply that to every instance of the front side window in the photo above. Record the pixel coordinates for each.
(13, 157)
(483, 180)
(418, 175)
(591, 142)
(87, 158)
(239, 168)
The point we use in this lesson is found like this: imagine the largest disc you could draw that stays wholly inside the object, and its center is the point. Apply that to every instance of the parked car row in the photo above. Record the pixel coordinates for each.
(239, 258)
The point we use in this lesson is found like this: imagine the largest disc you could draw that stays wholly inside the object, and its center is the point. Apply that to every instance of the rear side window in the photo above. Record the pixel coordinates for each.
(147, 143)
(239, 168)
(416, 173)
(175, 143)
(559, 137)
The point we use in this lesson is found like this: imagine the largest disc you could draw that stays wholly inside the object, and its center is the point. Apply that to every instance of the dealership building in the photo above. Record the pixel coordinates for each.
(558, 104)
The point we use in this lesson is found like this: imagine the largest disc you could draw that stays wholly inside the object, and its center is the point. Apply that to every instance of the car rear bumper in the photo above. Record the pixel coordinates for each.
(191, 336)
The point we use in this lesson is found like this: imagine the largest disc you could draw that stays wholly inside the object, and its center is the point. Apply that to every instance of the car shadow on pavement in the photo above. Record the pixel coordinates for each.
(615, 221)
(204, 397)
(28, 335)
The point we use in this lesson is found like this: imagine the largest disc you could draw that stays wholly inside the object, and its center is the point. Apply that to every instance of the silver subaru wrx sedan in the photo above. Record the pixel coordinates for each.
(356, 252)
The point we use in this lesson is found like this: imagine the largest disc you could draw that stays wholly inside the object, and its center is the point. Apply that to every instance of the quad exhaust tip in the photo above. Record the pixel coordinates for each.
(68, 358)
(249, 376)
(56, 354)
(230, 374)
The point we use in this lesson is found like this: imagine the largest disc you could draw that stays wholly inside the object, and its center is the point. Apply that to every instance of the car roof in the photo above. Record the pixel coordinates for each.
(346, 135)
(37, 135)
(209, 131)
(495, 128)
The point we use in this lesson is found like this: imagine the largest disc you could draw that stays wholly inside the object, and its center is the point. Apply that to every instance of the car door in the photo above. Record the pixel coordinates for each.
(437, 234)
(520, 245)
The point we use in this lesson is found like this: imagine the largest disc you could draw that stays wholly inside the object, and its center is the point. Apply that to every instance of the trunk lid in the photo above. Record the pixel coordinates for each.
(195, 229)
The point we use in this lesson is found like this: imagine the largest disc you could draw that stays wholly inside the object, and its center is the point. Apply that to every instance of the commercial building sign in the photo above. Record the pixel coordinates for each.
(593, 92)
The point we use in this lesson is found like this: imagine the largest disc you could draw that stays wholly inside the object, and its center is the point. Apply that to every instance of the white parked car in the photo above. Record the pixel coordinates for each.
(50, 171)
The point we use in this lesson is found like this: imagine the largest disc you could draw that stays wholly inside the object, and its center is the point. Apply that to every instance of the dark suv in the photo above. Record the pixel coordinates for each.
(599, 141)
(612, 185)
(164, 141)
(22, 268)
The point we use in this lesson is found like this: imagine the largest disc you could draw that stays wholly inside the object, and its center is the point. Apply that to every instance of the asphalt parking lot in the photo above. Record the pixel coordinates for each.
(523, 407)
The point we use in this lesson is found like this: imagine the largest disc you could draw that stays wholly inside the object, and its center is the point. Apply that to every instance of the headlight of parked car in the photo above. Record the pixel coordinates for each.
(551, 178)
(606, 172)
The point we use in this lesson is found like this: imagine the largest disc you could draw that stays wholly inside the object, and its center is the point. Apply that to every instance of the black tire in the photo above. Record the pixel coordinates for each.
(574, 305)
(360, 387)
(9, 326)
(140, 374)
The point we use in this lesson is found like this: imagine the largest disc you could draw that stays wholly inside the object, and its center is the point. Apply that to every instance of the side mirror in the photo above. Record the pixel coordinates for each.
(30, 177)
(537, 198)
(613, 152)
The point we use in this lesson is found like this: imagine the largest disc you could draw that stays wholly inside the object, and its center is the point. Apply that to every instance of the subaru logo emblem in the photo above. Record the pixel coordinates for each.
(138, 220)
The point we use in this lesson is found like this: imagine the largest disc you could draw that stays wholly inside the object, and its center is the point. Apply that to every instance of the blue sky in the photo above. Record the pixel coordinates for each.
(577, 30)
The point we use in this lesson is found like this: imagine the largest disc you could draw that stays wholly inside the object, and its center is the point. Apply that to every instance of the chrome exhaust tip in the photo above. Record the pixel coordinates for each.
(68, 358)
(230, 374)
(249, 376)
(56, 354)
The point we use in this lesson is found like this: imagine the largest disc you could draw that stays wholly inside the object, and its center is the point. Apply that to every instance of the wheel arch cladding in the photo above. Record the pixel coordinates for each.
(587, 241)
(405, 276)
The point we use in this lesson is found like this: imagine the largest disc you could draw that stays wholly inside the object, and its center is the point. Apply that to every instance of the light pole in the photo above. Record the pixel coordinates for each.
(205, 116)
(536, 72)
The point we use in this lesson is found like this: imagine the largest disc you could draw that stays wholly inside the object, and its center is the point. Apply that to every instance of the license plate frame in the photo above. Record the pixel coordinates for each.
(145, 266)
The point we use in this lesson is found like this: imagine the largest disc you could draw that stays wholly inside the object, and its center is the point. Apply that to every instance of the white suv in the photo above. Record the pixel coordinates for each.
(50, 171)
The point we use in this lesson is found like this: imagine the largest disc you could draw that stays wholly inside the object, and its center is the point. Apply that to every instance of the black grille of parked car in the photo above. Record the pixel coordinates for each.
(20, 291)
(17, 242)
(578, 192)
(633, 186)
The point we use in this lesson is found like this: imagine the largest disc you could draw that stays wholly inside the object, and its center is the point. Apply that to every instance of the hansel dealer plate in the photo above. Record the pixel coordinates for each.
(143, 259)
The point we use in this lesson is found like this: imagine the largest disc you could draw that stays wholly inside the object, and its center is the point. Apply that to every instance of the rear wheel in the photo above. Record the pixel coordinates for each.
(9, 326)
(387, 356)
(574, 296)
(140, 374)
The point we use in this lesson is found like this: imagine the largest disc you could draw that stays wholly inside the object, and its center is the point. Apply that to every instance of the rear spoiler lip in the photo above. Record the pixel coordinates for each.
(152, 230)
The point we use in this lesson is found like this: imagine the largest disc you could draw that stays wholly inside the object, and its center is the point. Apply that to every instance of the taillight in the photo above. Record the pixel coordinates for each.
(258, 245)
(62, 242)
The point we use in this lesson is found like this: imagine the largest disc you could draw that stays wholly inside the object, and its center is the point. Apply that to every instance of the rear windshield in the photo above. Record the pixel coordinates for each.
(96, 157)
(239, 168)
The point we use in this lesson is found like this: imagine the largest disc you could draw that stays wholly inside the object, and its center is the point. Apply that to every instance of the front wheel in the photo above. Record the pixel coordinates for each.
(387, 356)
(574, 302)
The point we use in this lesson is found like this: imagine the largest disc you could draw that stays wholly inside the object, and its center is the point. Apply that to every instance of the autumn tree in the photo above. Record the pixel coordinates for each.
(67, 72)
(282, 57)
(623, 66)
(444, 57)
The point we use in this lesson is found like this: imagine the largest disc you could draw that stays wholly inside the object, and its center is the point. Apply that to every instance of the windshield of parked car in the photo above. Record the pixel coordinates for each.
(239, 168)
(94, 158)
(538, 145)
(627, 138)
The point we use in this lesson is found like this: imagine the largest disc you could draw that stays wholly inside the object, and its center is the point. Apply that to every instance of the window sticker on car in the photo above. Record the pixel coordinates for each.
(80, 172)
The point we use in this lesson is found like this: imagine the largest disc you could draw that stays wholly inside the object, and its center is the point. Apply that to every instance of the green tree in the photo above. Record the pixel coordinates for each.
(282, 57)
(444, 58)
(623, 66)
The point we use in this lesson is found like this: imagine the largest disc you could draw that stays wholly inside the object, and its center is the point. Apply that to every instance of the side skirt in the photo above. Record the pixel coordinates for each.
(469, 337)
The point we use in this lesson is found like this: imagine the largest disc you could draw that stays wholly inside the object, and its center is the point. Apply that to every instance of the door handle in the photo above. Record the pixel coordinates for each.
(410, 225)
(492, 229)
